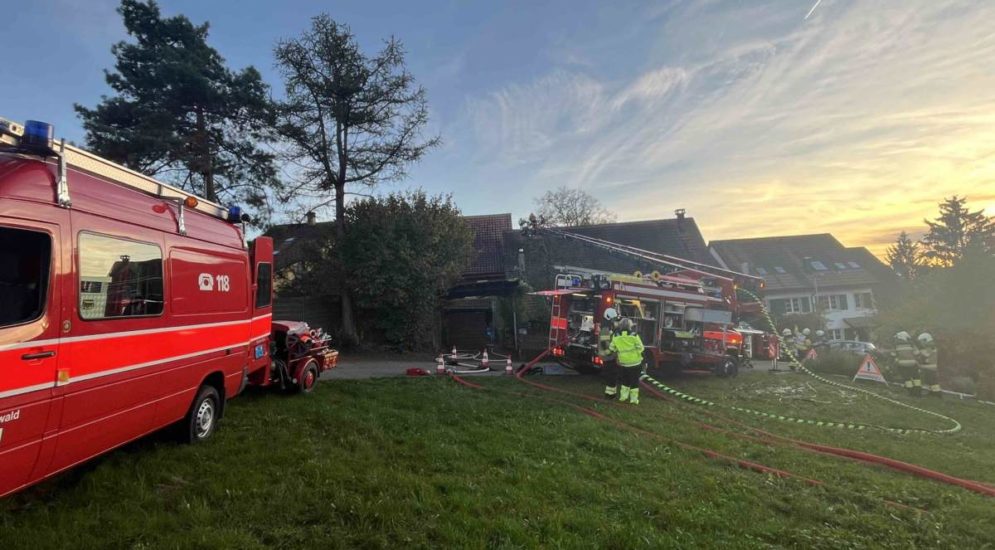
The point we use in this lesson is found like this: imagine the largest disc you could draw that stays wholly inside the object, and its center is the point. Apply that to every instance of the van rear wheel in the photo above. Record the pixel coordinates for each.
(202, 419)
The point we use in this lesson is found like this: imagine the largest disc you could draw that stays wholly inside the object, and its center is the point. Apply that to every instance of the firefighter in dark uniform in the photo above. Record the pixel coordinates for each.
(629, 347)
(609, 365)
(926, 357)
(788, 349)
(906, 355)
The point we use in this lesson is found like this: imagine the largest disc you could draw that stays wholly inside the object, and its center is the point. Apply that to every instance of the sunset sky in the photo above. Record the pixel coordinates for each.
(759, 121)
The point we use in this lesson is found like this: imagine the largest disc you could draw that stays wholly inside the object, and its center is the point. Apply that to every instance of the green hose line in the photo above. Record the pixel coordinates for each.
(956, 427)
(779, 417)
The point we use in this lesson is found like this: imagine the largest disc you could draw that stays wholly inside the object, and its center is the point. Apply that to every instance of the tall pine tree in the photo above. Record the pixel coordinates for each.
(180, 114)
(904, 257)
(956, 231)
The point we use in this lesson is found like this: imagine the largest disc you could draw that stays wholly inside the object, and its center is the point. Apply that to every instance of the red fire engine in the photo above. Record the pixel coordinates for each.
(685, 312)
(126, 305)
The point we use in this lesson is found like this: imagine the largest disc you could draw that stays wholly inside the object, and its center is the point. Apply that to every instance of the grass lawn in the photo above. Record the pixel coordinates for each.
(426, 463)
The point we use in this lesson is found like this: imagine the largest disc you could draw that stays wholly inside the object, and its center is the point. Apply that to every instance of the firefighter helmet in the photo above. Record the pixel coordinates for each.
(786, 332)
(903, 336)
(820, 333)
(925, 339)
(626, 325)
(611, 314)
(806, 332)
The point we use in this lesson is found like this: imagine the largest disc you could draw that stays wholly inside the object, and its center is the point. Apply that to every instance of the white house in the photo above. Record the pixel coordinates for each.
(806, 273)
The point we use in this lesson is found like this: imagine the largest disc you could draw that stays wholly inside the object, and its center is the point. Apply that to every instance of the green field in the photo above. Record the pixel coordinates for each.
(425, 463)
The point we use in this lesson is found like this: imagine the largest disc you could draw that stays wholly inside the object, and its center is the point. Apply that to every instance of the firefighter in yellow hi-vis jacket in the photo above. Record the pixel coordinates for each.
(926, 357)
(629, 348)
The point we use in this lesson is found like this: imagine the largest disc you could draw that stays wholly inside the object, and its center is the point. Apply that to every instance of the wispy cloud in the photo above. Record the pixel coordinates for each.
(857, 120)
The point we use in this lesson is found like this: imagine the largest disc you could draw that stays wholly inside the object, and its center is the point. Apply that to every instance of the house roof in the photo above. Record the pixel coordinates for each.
(290, 241)
(543, 253)
(799, 262)
(488, 233)
(675, 237)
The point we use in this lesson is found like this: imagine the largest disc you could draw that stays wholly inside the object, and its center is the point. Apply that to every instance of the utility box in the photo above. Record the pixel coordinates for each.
(702, 315)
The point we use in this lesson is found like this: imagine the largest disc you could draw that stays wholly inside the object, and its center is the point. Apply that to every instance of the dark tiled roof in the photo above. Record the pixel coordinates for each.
(545, 251)
(674, 237)
(794, 255)
(291, 241)
(488, 231)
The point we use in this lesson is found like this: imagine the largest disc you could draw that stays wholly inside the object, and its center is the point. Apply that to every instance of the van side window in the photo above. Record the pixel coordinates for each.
(25, 258)
(118, 278)
(264, 291)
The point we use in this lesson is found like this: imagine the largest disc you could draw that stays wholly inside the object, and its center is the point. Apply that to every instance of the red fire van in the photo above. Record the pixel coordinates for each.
(126, 305)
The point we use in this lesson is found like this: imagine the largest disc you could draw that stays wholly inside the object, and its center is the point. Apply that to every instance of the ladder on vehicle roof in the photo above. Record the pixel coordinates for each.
(68, 155)
(663, 260)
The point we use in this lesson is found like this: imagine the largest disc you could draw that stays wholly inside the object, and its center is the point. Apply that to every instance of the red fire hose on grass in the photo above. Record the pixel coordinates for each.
(850, 454)
(746, 464)
(770, 438)
(708, 453)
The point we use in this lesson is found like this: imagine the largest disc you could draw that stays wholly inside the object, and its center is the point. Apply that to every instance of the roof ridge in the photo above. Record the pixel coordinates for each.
(633, 222)
(500, 215)
(774, 237)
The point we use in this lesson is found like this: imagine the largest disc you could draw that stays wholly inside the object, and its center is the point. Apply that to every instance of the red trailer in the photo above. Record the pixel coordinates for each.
(126, 305)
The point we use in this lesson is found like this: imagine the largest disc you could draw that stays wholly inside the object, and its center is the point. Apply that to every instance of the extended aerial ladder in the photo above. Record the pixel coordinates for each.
(666, 262)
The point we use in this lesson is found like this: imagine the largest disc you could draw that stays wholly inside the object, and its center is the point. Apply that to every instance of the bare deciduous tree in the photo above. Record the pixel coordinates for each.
(350, 120)
(568, 207)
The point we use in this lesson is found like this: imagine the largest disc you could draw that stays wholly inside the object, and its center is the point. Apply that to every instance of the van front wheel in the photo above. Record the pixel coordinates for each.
(202, 420)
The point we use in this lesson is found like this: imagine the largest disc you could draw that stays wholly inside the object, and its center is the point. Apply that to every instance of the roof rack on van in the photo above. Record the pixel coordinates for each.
(36, 139)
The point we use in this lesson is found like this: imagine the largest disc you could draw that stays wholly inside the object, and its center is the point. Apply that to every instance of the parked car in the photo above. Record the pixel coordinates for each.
(853, 346)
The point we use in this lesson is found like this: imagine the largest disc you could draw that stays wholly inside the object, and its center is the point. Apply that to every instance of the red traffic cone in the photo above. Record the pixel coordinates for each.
(486, 361)
(440, 365)
(507, 366)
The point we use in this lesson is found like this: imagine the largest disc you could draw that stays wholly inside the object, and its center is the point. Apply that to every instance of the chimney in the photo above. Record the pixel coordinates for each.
(312, 218)
(679, 213)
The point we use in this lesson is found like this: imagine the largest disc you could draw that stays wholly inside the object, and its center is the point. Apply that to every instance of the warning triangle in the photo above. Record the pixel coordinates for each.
(811, 355)
(869, 371)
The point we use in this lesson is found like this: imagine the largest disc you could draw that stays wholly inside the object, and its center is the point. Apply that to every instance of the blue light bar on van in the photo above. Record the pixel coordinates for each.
(234, 214)
(38, 136)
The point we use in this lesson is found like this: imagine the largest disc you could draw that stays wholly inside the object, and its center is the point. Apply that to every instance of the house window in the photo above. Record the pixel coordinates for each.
(836, 334)
(761, 271)
(817, 265)
(863, 300)
(779, 269)
(840, 265)
(791, 305)
(854, 265)
(833, 302)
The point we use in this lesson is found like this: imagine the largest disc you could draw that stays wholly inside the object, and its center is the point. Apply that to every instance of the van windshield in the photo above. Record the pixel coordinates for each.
(24, 267)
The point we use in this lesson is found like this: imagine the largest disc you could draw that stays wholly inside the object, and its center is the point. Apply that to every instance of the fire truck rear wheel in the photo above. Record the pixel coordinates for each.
(309, 377)
(202, 420)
